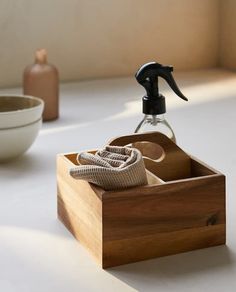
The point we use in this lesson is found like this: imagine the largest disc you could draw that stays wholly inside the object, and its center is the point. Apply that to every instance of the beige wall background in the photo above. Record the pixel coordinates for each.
(106, 38)
(228, 34)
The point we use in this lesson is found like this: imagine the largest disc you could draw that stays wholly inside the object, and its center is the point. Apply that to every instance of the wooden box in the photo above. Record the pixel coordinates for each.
(181, 209)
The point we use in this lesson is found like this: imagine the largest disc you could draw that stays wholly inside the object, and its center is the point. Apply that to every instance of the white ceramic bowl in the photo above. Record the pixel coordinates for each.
(20, 121)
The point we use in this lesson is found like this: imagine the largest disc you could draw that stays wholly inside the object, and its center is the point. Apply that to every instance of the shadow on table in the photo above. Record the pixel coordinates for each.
(161, 271)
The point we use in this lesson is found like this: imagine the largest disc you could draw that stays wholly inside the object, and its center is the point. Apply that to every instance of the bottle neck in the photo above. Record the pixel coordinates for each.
(41, 56)
(160, 117)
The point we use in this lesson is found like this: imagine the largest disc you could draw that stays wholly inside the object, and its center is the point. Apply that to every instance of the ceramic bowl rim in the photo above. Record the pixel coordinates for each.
(41, 103)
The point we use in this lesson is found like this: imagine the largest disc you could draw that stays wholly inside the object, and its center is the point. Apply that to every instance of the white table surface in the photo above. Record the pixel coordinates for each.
(37, 253)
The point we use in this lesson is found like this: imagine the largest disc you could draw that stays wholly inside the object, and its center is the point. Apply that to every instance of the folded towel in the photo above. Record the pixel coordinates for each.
(111, 168)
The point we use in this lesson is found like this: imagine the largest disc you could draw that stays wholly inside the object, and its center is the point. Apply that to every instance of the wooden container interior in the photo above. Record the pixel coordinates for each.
(197, 169)
(164, 158)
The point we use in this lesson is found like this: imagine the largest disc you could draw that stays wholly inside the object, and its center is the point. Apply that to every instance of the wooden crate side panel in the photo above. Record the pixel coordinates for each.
(142, 221)
(174, 207)
(80, 209)
(130, 250)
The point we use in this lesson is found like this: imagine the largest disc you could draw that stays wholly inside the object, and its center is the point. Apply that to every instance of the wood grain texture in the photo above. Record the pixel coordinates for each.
(167, 208)
(162, 218)
(79, 208)
(129, 250)
(180, 161)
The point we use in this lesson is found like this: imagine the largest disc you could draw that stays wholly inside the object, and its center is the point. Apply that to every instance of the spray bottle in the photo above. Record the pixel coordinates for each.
(154, 106)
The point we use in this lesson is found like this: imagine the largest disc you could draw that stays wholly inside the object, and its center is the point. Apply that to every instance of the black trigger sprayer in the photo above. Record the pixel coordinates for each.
(154, 106)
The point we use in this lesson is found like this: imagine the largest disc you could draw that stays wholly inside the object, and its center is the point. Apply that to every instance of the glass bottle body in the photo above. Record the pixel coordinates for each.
(156, 123)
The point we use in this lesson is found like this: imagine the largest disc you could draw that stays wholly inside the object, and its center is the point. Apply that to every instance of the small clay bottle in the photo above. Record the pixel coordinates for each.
(42, 80)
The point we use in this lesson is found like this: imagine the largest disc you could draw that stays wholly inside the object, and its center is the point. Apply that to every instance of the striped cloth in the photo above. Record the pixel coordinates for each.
(111, 168)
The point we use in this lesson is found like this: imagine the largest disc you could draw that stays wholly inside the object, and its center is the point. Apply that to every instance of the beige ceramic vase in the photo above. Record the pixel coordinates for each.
(41, 79)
